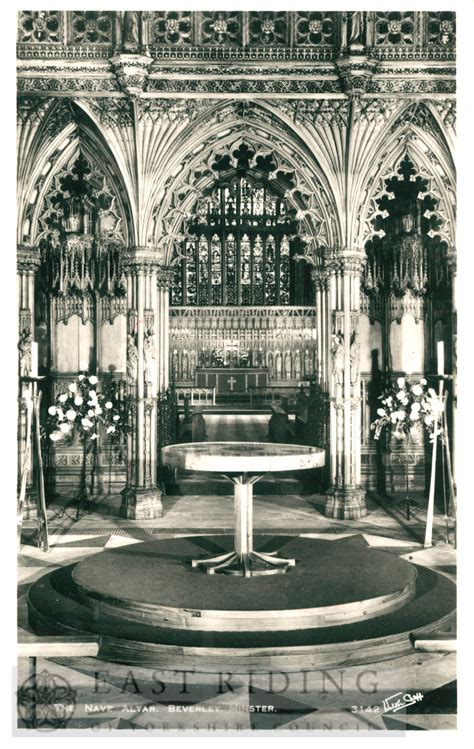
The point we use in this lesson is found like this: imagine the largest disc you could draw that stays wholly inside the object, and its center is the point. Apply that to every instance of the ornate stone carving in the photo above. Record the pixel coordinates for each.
(172, 27)
(268, 28)
(94, 85)
(132, 359)
(355, 359)
(440, 27)
(355, 28)
(394, 27)
(149, 353)
(132, 71)
(221, 28)
(315, 27)
(43, 26)
(172, 110)
(142, 259)
(337, 350)
(24, 353)
(28, 259)
(344, 261)
(92, 27)
(356, 73)
(164, 277)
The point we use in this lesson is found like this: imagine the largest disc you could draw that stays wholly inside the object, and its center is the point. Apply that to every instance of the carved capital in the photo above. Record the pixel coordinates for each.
(142, 259)
(131, 71)
(164, 277)
(320, 278)
(28, 259)
(344, 261)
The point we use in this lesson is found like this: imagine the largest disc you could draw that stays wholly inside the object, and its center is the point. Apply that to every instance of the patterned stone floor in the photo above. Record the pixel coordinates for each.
(111, 696)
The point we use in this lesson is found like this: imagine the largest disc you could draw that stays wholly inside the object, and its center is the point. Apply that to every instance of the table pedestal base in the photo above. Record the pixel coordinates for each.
(244, 560)
(246, 565)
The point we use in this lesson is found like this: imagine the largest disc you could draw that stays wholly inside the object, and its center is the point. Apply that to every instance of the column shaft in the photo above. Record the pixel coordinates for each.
(346, 498)
(146, 350)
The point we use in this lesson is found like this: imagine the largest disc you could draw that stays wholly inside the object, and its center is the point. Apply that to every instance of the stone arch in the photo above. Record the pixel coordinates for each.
(431, 156)
(61, 135)
(189, 176)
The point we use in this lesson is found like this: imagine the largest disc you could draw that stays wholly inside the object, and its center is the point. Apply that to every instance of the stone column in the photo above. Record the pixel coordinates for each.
(28, 262)
(164, 280)
(145, 347)
(346, 498)
(452, 270)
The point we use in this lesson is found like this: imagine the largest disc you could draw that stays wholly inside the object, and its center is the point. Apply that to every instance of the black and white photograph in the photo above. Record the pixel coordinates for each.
(235, 363)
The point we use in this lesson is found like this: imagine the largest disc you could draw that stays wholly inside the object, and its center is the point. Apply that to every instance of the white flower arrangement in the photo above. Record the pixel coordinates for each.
(81, 410)
(405, 406)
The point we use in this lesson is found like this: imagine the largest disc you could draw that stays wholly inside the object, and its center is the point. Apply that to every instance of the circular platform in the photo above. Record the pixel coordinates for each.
(342, 601)
(155, 582)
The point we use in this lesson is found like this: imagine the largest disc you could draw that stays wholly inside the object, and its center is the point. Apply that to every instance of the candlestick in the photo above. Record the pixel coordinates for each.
(440, 350)
(34, 359)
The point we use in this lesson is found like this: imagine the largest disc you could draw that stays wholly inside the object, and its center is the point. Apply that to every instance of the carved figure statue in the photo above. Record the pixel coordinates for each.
(24, 349)
(149, 354)
(132, 360)
(355, 359)
(337, 349)
(288, 365)
(131, 28)
(278, 365)
(185, 365)
(297, 364)
(175, 365)
(307, 363)
(355, 27)
(192, 364)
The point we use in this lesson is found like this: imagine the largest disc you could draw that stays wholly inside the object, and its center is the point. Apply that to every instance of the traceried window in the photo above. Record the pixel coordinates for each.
(240, 250)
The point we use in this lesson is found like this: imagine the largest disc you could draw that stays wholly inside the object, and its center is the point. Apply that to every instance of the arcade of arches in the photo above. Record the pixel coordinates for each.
(255, 192)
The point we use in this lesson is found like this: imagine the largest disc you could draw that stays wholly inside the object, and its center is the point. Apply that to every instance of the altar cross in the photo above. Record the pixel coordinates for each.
(231, 382)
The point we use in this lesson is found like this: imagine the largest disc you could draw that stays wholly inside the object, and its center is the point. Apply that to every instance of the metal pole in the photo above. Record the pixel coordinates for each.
(430, 510)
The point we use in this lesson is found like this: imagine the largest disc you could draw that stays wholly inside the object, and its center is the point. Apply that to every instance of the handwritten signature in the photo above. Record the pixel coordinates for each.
(399, 700)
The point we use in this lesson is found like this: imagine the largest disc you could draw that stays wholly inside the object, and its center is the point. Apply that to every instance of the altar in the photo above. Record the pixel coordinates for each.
(229, 380)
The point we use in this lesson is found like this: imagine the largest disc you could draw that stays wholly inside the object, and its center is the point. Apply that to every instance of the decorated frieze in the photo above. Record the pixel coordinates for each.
(310, 35)
(245, 85)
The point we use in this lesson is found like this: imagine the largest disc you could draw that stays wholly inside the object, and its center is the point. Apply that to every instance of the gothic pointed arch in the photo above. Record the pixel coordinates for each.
(65, 132)
(430, 160)
(294, 170)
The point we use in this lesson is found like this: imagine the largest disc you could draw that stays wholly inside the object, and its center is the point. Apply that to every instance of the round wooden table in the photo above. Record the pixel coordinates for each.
(243, 463)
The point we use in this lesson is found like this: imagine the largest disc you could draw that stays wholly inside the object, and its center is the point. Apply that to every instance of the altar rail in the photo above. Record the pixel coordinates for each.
(198, 396)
